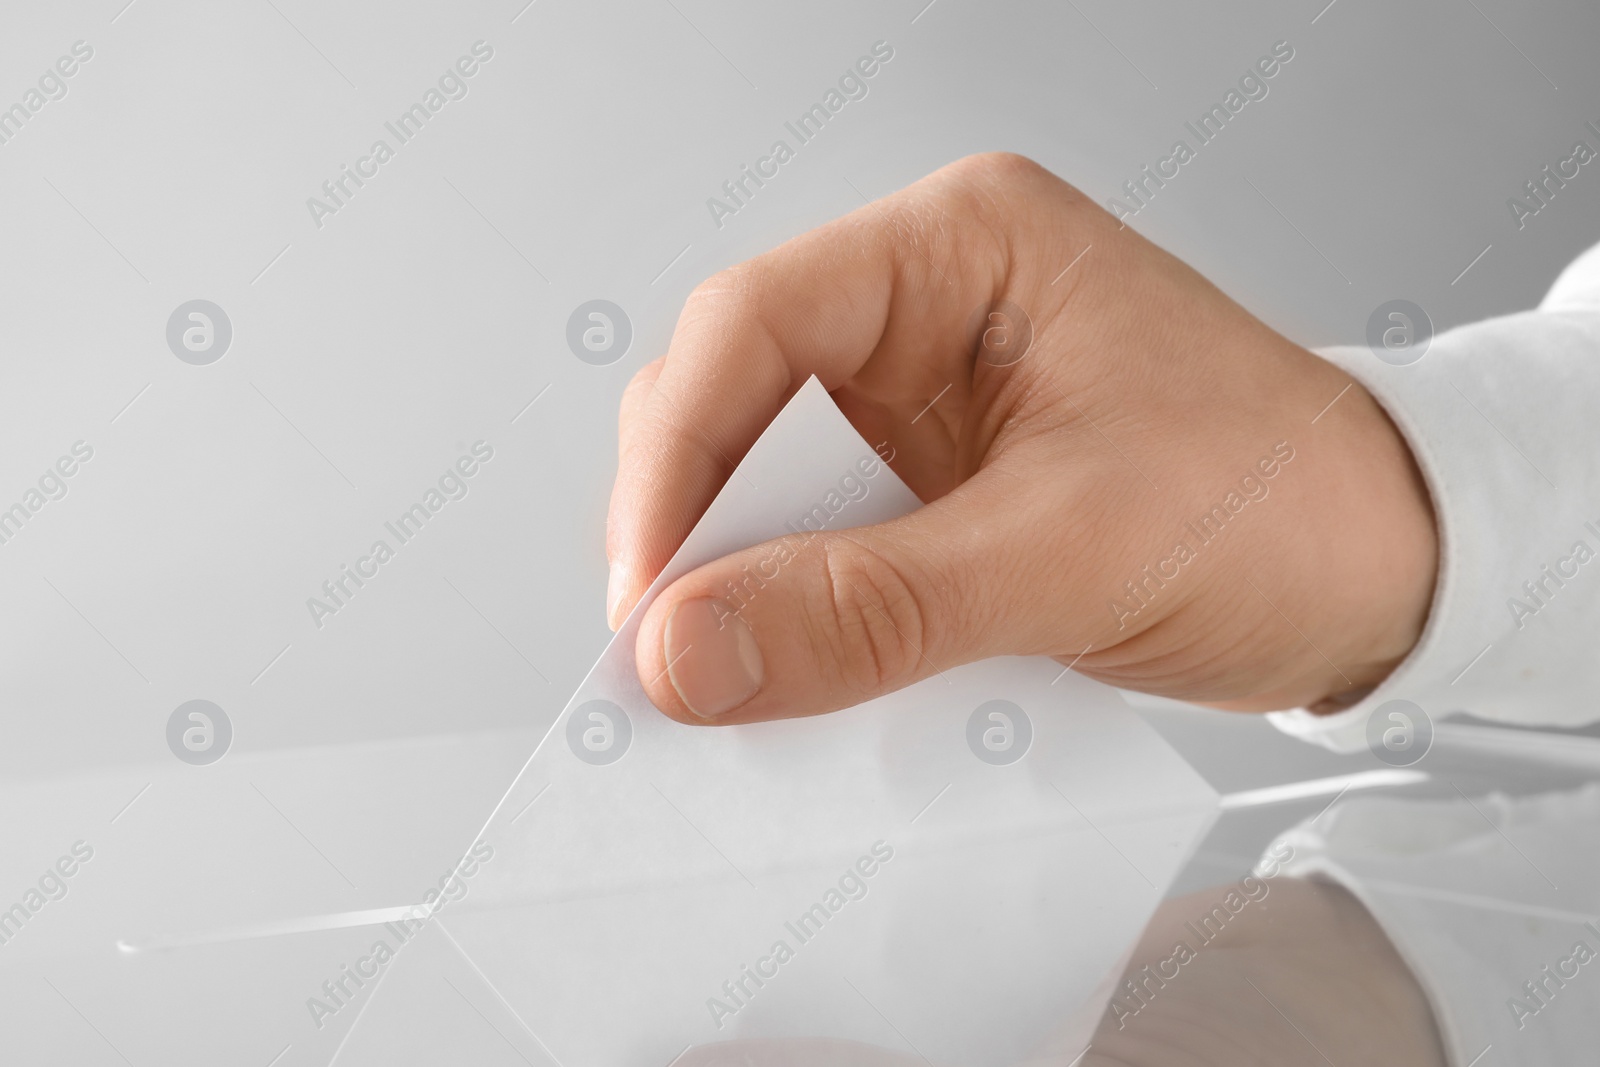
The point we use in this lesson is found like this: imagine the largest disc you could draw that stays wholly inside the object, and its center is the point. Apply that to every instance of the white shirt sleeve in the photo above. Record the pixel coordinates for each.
(1503, 417)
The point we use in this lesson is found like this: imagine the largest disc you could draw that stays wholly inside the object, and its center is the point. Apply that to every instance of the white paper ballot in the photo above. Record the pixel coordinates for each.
(954, 871)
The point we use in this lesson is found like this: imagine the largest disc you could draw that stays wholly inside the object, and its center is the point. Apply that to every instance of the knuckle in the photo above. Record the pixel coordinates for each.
(1001, 165)
(646, 375)
(1018, 186)
(637, 391)
(730, 308)
(875, 626)
(725, 290)
(1000, 176)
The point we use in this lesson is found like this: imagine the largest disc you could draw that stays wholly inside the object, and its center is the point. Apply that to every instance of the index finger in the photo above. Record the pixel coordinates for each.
(888, 284)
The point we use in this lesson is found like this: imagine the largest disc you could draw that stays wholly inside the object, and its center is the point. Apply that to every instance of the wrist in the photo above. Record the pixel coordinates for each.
(1390, 546)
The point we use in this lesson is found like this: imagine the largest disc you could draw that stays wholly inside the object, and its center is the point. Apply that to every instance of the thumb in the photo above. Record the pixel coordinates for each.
(815, 622)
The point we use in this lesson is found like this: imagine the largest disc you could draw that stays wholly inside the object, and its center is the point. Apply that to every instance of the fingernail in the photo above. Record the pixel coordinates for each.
(712, 657)
(616, 588)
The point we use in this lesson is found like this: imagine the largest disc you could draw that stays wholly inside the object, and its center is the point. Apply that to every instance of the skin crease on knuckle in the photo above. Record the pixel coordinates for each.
(873, 620)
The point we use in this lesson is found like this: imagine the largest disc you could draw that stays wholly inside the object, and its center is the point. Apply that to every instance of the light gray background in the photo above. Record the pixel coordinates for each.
(427, 314)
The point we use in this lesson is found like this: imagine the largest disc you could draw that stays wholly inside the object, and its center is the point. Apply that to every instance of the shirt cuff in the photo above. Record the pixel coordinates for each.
(1498, 414)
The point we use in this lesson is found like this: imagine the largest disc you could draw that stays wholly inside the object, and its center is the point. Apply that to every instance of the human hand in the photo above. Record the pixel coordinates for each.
(1301, 974)
(1148, 412)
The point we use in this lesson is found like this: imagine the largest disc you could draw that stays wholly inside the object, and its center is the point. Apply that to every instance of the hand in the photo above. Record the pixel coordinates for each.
(1143, 494)
(1302, 975)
